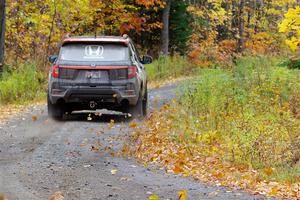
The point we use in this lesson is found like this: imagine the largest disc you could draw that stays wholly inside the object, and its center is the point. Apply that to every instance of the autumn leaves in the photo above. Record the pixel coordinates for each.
(291, 26)
(231, 128)
(34, 28)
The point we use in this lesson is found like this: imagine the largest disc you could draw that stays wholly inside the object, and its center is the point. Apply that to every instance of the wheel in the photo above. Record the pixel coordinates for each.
(139, 111)
(55, 111)
(145, 104)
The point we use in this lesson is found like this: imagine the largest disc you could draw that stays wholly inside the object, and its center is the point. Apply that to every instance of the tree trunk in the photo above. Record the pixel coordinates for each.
(2, 32)
(50, 34)
(165, 30)
(241, 38)
(234, 20)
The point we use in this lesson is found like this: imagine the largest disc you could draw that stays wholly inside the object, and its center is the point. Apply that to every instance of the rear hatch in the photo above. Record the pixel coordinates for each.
(93, 64)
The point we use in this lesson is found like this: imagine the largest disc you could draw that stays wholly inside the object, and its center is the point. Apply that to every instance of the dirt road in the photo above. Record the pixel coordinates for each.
(39, 158)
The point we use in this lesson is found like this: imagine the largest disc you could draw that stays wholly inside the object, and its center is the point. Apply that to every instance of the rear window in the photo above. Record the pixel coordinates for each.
(94, 52)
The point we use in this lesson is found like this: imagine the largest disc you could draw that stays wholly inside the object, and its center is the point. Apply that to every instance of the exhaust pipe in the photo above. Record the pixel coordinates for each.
(93, 104)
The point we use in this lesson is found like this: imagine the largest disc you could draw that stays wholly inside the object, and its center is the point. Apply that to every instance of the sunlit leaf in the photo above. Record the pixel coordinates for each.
(114, 171)
(182, 195)
(154, 197)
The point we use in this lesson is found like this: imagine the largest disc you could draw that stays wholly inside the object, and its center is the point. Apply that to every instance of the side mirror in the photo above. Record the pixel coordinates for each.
(53, 58)
(147, 60)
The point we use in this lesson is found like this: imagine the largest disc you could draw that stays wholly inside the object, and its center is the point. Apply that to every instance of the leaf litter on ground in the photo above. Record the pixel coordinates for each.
(153, 143)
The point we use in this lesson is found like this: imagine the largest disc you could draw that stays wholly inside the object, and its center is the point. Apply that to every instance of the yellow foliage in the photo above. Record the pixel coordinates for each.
(35, 28)
(261, 43)
(291, 26)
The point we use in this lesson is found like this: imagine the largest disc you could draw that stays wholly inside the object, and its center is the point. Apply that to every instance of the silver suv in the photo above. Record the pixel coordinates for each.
(95, 73)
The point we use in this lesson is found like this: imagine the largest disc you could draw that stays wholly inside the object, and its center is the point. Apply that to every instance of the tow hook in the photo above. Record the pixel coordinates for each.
(93, 104)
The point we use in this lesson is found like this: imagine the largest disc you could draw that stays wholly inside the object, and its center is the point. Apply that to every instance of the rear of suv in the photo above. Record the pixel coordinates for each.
(95, 73)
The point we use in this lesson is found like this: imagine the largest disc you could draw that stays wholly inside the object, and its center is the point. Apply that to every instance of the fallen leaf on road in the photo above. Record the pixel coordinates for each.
(34, 118)
(177, 169)
(111, 124)
(214, 194)
(133, 125)
(94, 148)
(83, 145)
(124, 179)
(57, 196)
(114, 171)
(182, 194)
(154, 197)
(67, 142)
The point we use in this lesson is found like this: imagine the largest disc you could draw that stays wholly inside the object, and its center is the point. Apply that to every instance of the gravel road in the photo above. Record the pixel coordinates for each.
(39, 156)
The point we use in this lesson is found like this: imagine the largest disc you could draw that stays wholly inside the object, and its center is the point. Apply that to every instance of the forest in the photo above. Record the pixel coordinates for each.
(240, 62)
(201, 30)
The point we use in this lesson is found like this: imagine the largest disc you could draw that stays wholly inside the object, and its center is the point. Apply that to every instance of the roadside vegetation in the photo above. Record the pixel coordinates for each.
(251, 113)
(237, 127)
(168, 68)
(21, 85)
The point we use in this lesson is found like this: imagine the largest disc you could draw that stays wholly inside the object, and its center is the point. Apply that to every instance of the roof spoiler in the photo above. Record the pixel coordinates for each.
(125, 36)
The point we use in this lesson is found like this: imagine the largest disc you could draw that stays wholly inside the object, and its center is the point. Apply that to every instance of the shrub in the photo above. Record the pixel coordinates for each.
(169, 67)
(293, 63)
(20, 85)
(245, 113)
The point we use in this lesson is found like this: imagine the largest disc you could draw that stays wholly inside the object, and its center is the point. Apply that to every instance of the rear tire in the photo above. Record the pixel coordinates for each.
(55, 111)
(139, 111)
(145, 104)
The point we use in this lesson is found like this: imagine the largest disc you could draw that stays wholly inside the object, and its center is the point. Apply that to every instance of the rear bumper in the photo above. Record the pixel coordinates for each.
(101, 94)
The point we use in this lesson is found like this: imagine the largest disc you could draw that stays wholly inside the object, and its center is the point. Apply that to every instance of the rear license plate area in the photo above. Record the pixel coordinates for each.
(93, 74)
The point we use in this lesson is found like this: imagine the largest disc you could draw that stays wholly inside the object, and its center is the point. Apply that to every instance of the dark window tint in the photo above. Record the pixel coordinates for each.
(94, 52)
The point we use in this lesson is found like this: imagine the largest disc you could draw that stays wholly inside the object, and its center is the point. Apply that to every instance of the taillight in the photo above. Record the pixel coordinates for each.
(132, 72)
(55, 71)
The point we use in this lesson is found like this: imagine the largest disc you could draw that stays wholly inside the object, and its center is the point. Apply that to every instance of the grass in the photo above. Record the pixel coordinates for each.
(166, 68)
(284, 174)
(250, 113)
(237, 127)
(22, 85)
